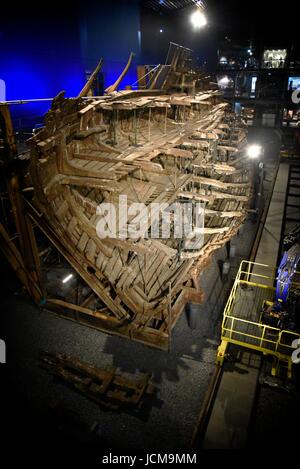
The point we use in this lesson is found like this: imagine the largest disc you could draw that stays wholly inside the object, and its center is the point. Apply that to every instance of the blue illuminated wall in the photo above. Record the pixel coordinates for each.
(39, 56)
(111, 29)
(48, 48)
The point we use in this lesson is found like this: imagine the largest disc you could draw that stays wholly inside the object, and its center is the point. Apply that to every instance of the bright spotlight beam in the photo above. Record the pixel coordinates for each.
(224, 81)
(198, 19)
(67, 278)
(254, 151)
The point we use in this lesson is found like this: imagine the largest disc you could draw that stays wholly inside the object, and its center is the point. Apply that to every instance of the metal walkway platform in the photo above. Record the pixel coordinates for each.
(241, 318)
(231, 414)
(225, 418)
(269, 243)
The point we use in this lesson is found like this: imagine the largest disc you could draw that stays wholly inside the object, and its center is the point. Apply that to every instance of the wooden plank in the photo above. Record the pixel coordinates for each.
(83, 242)
(90, 250)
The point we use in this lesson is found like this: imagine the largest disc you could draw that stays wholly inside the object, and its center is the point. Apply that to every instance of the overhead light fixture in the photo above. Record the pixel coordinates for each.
(223, 60)
(67, 278)
(198, 19)
(224, 81)
(254, 151)
(161, 30)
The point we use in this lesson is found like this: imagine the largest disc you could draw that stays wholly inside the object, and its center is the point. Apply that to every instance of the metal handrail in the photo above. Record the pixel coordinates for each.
(230, 323)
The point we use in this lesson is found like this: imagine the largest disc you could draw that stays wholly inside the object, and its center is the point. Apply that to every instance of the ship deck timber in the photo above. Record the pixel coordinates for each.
(154, 145)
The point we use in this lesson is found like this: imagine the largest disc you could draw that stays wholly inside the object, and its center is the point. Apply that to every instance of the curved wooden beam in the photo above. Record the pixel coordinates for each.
(89, 83)
(113, 87)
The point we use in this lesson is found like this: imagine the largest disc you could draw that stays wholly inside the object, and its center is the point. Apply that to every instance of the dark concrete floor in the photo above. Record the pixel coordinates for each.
(167, 423)
(182, 375)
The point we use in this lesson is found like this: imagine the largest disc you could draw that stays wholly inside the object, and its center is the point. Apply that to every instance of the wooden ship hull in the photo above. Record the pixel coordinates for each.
(173, 141)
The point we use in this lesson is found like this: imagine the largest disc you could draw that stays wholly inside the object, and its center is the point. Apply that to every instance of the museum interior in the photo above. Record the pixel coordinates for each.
(149, 229)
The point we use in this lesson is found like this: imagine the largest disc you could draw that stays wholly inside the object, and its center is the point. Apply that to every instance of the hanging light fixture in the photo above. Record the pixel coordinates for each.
(198, 19)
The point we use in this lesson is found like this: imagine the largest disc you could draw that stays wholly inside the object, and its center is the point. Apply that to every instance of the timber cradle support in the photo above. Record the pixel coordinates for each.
(107, 387)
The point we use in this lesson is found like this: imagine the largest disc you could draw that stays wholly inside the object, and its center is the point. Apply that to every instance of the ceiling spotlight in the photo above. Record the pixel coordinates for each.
(161, 30)
(224, 81)
(198, 19)
(254, 151)
(67, 278)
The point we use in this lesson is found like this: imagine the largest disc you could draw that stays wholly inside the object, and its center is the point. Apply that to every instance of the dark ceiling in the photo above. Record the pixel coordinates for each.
(169, 5)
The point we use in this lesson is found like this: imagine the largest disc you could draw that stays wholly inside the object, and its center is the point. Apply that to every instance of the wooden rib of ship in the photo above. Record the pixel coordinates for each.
(174, 140)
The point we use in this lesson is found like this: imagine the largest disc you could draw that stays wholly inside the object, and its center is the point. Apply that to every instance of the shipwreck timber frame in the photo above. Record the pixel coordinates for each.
(101, 319)
(24, 258)
(26, 262)
(153, 145)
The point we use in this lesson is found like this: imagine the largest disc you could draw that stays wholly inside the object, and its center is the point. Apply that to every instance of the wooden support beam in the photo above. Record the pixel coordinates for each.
(219, 184)
(87, 87)
(113, 87)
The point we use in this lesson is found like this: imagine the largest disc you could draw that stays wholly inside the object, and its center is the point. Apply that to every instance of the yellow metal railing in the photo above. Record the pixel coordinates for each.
(249, 333)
